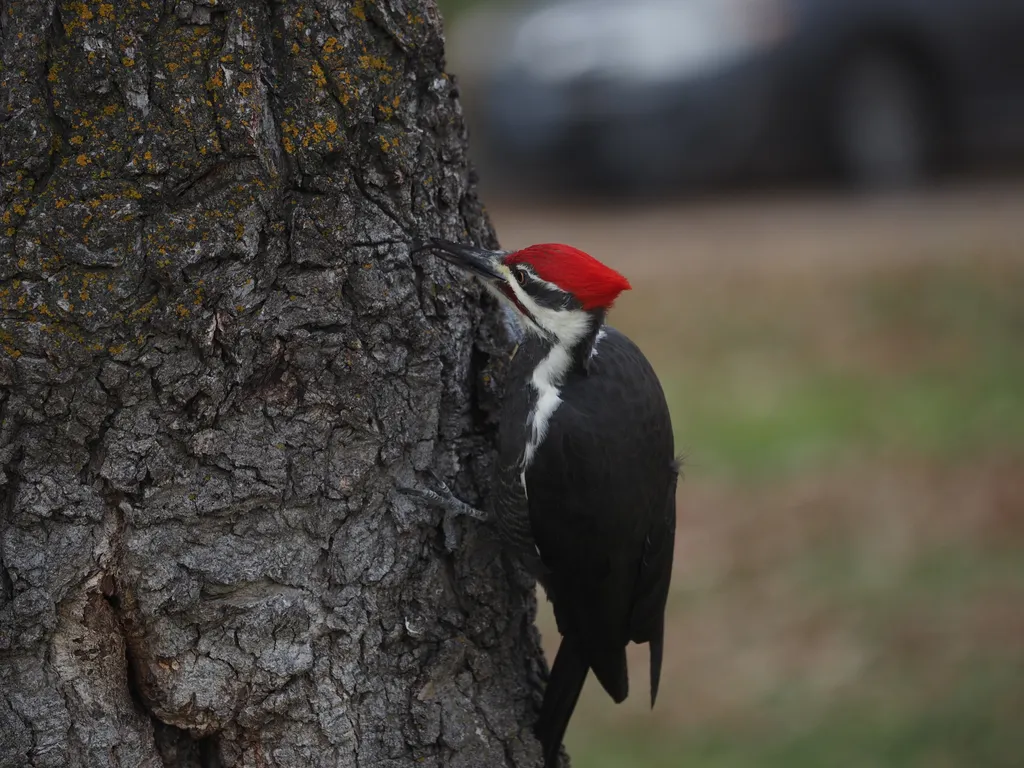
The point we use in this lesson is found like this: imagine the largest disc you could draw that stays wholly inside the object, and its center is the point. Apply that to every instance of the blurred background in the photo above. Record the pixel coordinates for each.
(820, 206)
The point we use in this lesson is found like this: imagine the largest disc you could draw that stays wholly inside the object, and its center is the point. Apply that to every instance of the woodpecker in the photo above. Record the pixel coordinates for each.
(586, 475)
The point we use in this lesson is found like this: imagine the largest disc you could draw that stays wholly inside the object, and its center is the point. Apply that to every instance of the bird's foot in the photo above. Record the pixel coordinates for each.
(444, 498)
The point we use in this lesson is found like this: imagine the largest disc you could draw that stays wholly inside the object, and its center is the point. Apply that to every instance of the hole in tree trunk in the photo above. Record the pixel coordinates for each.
(179, 749)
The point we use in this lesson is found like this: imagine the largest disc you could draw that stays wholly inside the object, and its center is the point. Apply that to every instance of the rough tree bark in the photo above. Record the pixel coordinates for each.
(218, 362)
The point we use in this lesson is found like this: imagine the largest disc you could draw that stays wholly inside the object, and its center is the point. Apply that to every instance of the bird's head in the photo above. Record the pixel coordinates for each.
(558, 291)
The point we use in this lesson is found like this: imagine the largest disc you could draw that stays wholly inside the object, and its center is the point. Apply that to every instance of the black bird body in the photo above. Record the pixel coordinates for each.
(586, 476)
(599, 506)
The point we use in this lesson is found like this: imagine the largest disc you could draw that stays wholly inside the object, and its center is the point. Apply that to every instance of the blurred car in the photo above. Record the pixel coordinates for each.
(652, 92)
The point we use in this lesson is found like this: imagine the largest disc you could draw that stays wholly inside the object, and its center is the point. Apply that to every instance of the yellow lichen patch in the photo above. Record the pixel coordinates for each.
(375, 62)
(330, 45)
(319, 76)
(143, 312)
(172, 66)
(359, 10)
(107, 11)
(82, 160)
(319, 134)
(288, 131)
(8, 347)
(347, 90)
(82, 10)
(295, 49)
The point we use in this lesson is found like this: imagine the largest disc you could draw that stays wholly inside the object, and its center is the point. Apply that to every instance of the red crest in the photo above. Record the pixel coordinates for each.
(591, 282)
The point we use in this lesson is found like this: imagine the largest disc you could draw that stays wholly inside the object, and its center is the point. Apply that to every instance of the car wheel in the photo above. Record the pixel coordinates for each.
(883, 123)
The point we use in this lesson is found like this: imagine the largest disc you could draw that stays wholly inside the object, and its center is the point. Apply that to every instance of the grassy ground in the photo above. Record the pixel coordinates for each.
(849, 588)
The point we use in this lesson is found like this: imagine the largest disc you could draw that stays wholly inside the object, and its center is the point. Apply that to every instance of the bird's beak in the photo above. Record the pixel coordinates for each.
(479, 261)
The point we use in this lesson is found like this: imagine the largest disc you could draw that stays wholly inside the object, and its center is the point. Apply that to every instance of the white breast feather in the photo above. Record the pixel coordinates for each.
(597, 340)
(547, 378)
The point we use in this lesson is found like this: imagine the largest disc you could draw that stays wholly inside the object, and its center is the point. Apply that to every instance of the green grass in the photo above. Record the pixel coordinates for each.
(844, 571)
(963, 730)
(933, 366)
(800, 419)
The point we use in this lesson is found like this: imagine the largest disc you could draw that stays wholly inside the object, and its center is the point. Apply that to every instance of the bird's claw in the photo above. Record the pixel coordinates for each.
(442, 496)
(425, 494)
(443, 490)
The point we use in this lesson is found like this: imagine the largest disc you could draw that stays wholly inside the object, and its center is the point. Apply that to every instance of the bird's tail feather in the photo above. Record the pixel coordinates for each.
(656, 645)
(568, 674)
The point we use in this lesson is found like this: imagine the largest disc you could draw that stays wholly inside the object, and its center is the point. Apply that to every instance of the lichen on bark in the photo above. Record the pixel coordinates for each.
(217, 364)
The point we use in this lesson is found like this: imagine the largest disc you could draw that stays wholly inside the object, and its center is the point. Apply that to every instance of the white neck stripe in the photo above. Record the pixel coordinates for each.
(549, 376)
(565, 328)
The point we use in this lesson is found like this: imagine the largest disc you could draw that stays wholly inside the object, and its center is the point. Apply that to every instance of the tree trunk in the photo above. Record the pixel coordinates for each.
(218, 364)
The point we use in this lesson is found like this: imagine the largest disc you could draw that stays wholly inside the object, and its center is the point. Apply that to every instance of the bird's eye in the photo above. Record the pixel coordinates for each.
(520, 276)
